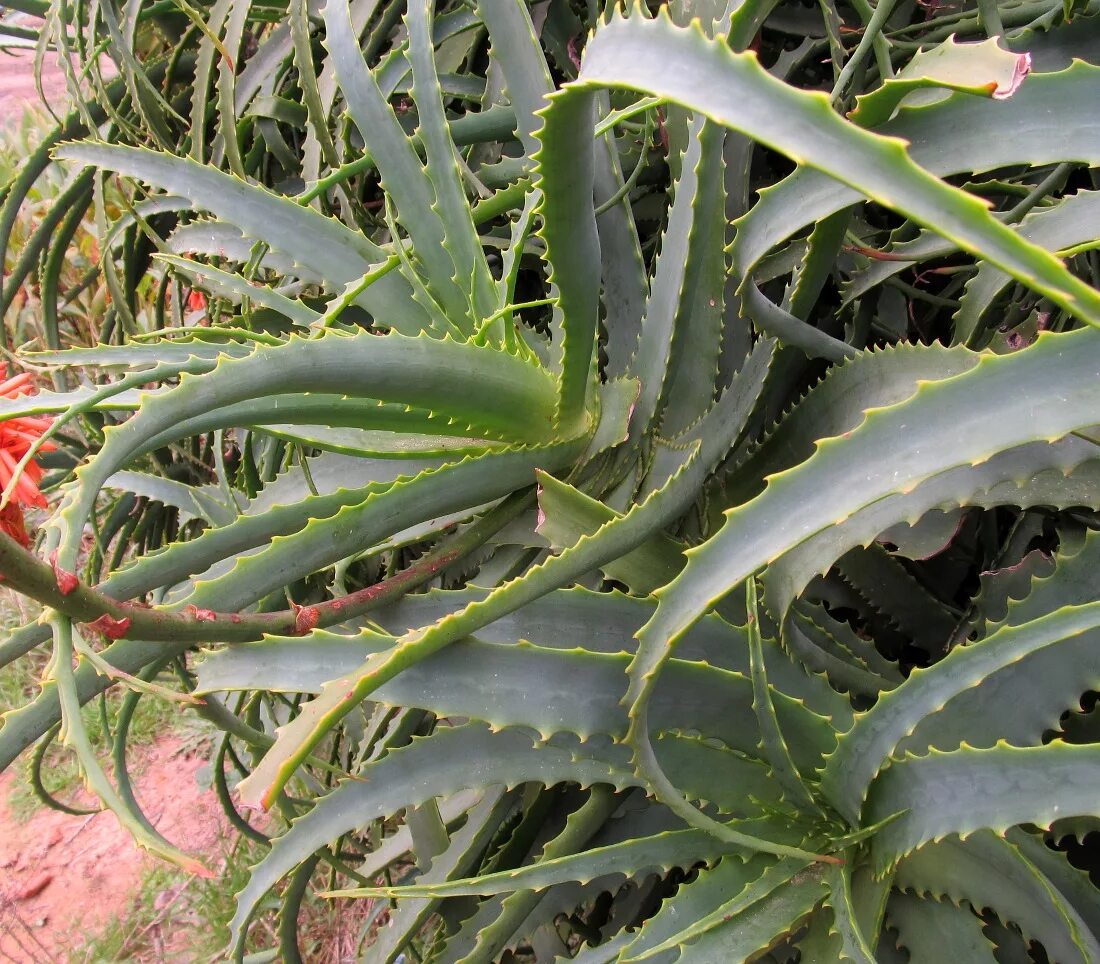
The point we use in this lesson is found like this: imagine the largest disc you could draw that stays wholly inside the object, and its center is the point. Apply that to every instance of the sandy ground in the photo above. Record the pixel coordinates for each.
(64, 877)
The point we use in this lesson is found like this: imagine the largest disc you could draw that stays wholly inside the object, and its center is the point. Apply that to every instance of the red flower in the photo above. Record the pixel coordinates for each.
(11, 522)
(196, 301)
(17, 435)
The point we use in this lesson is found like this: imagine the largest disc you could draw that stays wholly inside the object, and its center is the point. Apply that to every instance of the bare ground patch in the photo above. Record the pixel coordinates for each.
(63, 878)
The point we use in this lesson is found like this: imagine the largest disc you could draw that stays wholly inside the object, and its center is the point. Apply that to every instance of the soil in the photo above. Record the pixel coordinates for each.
(63, 878)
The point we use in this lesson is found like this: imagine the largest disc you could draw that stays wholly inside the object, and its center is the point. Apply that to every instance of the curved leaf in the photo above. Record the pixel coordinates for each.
(968, 790)
(864, 749)
(323, 245)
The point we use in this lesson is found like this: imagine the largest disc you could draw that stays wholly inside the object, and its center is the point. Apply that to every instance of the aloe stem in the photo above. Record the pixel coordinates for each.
(990, 18)
(872, 35)
(27, 574)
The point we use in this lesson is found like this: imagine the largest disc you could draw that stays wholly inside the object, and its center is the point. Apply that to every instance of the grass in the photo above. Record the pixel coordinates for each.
(19, 679)
(173, 918)
(153, 719)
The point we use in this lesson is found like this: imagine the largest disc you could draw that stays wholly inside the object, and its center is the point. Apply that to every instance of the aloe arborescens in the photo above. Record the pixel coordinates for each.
(562, 573)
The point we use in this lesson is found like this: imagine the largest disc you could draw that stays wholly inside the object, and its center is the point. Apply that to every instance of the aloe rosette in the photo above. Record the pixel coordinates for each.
(547, 564)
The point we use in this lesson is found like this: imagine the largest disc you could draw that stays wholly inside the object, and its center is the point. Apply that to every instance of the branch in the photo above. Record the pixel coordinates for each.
(64, 592)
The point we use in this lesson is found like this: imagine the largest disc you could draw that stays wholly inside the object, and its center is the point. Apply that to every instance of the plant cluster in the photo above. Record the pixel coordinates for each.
(621, 482)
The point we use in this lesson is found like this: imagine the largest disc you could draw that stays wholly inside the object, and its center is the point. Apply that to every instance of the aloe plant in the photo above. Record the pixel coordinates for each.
(582, 559)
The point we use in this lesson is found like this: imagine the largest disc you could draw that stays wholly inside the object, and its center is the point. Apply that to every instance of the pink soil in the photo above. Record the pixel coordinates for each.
(62, 878)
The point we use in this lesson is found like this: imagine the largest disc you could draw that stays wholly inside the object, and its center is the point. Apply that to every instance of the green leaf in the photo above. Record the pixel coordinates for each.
(816, 648)
(441, 168)
(840, 639)
(489, 941)
(838, 404)
(515, 47)
(1069, 222)
(887, 456)
(284, 506)
(566, 515)
(1070, 584)
(200, 94)
(194, 502)
(236, 289)
(930, 928)
(976, 68)
(75, 735)
(657, 854)
(218, 239)
(813, 271)
(402, 173)
(143, 356)
(945, 139)
(577, 693)
(606, 622)
(734, 90)
(453, 377)
(383, 513)
(821, 942)
(988, 871)
(772, 743)
(625, 285)
(692, 901)
(614, 538)
(1073, 884)
(863, 750)
(767, 907)
(606, 953)
(42, 403)
(463, 854)
(323, 245)
(380, 444)
(1062, 474)
(927, 537)
(565, 173)
(968, 790)
(451, 759)
(1039, 687)
(891, 590)
(1002, 587)
(679, 283)
(853, 945)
